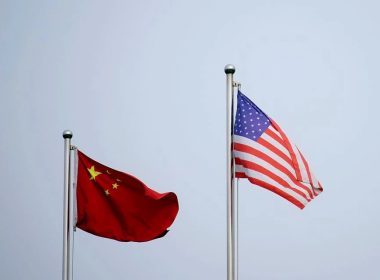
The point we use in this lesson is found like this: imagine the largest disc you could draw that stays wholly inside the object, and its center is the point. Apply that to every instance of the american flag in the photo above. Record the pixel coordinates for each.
(265, 156)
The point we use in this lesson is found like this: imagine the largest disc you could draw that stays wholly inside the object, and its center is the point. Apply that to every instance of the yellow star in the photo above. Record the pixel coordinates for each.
(114, 186)
(118, 180)
(108, 172)
(93, 173)
(107, 192)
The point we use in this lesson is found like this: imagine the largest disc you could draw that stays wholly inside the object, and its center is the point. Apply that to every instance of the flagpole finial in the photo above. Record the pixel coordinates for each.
(229, 69)
(67, 134)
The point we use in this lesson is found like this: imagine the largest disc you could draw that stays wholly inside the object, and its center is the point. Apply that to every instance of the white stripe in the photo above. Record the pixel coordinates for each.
(314, 180)
(313, 185)
(318, 190)
(302, 167)
(275, 143)
(271, 128)
(316, 187)
(262, 177)
(248, 142)
(271, 168)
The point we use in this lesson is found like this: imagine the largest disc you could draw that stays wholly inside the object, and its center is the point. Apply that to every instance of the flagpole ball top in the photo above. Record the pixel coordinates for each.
(67, 134)
(229, 69)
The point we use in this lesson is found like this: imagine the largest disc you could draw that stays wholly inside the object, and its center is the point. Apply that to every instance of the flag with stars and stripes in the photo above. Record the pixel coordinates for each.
(266, 157)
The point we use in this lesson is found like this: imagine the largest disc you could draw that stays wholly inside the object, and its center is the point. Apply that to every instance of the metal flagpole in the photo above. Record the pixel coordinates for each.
(67, 201)
(231, 215)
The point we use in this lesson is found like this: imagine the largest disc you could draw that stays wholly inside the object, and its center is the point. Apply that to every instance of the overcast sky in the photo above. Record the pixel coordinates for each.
(142, 86)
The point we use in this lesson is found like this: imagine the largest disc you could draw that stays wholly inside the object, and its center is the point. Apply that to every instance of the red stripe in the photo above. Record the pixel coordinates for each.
(275, 137)
(270, 174)
(289, 148)
(275, 150)
(272, 188)
(240, 175)
(271, 161)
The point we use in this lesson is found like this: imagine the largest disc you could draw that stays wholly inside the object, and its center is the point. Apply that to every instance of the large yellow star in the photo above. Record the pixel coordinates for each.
(93, 173)
(114, 186)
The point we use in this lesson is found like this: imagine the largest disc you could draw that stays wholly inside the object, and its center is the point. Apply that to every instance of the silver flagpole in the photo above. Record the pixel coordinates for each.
(231, 215)
(67, 219)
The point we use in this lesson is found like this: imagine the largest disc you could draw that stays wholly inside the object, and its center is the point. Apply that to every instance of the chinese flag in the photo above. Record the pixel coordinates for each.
(116, 205)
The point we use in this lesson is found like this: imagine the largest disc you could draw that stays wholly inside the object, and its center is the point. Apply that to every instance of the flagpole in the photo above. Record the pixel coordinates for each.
(231, 215)
(67, 219)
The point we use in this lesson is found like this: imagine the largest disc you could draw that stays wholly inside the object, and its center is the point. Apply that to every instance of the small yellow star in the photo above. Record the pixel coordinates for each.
(93, 173)
(114, 186)
(108, 172)
(118, 180)
(107, 192)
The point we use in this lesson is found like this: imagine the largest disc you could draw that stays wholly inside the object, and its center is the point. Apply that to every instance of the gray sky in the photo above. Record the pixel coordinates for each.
(141, 84)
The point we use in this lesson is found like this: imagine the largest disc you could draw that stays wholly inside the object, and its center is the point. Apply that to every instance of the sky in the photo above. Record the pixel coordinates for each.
(142, 86)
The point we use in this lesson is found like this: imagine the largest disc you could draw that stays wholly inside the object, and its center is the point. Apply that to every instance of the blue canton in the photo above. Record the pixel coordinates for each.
(250, 121)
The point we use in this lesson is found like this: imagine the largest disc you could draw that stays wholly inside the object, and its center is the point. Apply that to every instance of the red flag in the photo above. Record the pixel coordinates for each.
(116, 205)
